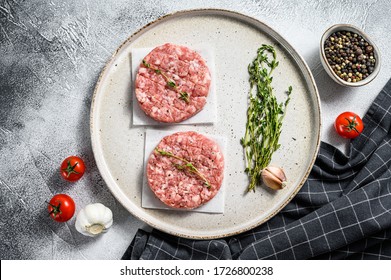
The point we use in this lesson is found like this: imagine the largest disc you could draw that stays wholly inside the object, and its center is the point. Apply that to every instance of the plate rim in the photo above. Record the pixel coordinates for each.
(234, 14)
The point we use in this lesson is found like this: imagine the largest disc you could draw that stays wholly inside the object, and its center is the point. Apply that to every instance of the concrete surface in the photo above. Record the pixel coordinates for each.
(51, 54)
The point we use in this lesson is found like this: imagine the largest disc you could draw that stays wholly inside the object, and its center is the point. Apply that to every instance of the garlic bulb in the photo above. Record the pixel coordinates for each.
(274, 177)
(94, 219)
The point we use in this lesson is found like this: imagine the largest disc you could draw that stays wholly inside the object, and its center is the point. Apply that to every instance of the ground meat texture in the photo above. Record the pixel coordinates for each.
(189, 72)
(179, 188)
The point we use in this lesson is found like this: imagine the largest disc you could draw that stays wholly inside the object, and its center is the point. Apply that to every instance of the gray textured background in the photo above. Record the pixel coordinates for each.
(51, 53)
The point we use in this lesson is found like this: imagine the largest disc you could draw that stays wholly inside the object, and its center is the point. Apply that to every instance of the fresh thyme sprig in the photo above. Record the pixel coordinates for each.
(264, 115)
(186, 166)
(183, 95)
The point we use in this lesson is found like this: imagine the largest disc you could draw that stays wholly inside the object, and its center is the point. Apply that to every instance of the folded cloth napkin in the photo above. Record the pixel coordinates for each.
(343, 211)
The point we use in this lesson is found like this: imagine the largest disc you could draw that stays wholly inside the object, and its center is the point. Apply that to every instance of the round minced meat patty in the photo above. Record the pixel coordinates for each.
(172, 83)
(173, 182)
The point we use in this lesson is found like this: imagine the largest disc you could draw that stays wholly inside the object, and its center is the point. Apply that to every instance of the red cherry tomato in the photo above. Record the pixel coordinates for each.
(61, 207)
(72, 168)
(349, 125)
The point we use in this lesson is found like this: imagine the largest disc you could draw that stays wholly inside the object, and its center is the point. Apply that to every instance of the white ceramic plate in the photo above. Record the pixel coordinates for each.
(119, 148)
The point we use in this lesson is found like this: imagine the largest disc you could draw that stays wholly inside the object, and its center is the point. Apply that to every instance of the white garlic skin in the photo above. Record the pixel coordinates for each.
(94, 216)
(274, 177)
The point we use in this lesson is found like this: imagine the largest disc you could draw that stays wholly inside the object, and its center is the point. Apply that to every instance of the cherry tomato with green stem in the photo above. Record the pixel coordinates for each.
(61, 207)
(349, 125)
(72, 168)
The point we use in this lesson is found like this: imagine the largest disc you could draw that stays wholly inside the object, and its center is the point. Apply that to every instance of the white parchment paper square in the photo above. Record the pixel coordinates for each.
(208, 115)
(149, 200)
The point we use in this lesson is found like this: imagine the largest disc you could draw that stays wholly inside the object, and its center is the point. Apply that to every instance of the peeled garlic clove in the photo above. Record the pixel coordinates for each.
(274, 177)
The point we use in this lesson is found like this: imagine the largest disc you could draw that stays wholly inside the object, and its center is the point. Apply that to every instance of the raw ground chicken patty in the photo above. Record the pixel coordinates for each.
(181, 188)
(189, 72)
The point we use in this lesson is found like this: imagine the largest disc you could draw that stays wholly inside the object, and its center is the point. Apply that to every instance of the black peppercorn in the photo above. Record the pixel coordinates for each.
(369, 49)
